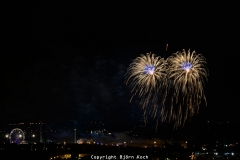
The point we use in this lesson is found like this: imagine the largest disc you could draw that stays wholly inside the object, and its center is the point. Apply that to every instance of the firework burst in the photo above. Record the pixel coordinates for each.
(146, 76)
(187, 73)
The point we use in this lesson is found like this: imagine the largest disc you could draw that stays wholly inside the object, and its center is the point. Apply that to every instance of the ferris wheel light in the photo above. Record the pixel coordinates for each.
(16, 136)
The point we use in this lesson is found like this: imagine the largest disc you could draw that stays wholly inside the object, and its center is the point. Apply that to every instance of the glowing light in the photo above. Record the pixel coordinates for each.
(149, 69)
(186, 66)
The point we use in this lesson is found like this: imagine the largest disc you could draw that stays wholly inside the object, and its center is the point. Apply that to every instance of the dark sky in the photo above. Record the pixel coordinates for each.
(67, 61)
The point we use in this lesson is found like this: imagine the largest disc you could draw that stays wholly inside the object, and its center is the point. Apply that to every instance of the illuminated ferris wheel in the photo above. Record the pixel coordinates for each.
(17, 136)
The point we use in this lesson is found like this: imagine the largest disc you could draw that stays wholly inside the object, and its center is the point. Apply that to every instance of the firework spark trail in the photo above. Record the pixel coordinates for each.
(146, 76)
(187, 71)
(181, 76)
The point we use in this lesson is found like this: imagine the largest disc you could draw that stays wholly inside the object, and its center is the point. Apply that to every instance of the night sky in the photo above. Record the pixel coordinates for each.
(67, 61)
